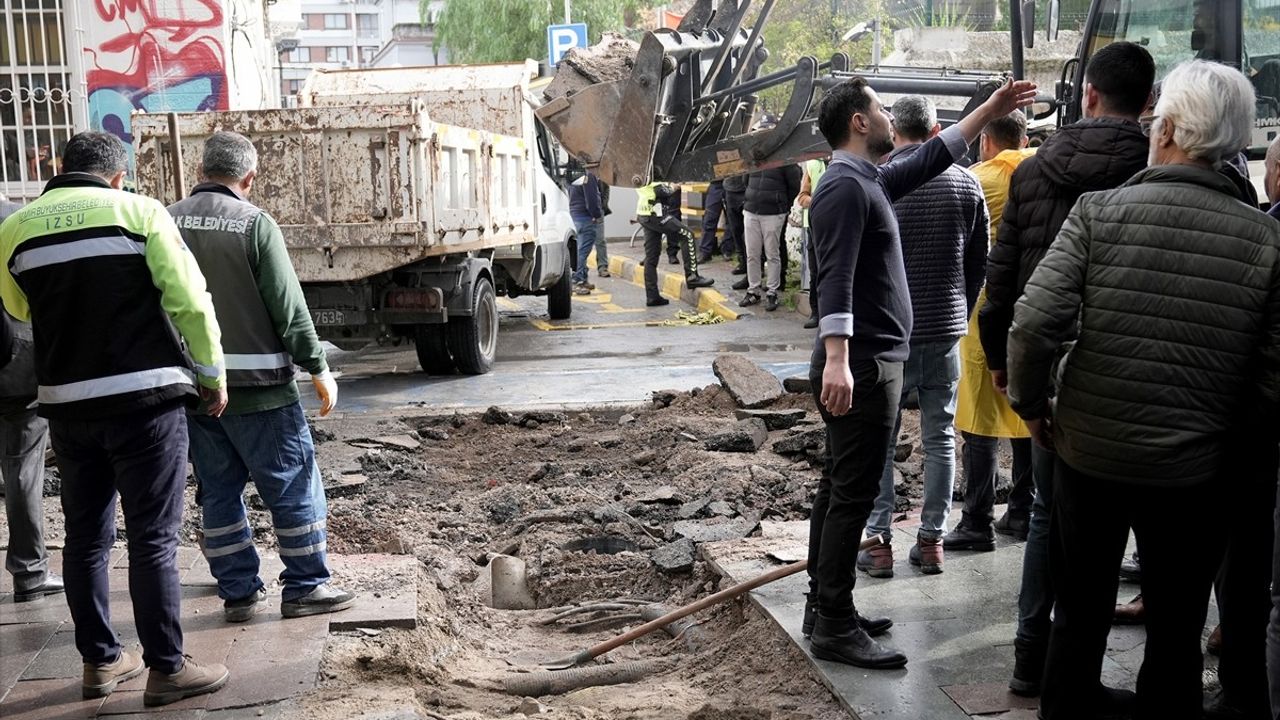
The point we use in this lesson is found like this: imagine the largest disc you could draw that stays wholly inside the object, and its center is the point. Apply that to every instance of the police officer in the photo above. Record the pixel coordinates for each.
(263, 435)
(105, 279)
(658, 212)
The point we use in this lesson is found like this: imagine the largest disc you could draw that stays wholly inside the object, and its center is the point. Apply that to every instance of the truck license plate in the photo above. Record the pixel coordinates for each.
(328, 317)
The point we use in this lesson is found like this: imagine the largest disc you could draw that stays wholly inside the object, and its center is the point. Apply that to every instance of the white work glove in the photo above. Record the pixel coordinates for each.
(326, 391)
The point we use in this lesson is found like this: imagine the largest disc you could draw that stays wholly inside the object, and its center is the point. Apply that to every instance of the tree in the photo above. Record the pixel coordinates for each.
(487, 31)
(815, 27)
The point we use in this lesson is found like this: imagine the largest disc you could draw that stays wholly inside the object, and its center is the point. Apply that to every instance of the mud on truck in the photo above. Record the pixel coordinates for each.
(410, 199)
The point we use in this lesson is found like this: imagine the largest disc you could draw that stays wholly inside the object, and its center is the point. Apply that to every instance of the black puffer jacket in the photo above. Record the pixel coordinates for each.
(943, 224)
(1091, 155)
(1173, 282)
(772, 191)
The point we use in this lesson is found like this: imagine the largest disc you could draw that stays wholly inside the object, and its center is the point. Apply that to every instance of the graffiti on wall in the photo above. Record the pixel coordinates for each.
(153, 55)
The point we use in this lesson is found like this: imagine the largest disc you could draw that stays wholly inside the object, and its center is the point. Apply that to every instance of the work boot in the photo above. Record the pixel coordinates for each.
(771, 302)
(1130, 569)
(965, 538)
(926, 554)
(323, 599)
(704, 258)
(1213, 645)
(812, 322)
(699, 281)
(604, 272)
(1131, 613)
(749, 299)
(740, 285)
(191, 679)
(740, 270)
(1014, 527)
(101, 680)
(673, 259)
(240, 610)
(657, 302)
(52, 585)
(581, 289)
(875, 627)
(1028, 668)
(843, 640)
(877, 562)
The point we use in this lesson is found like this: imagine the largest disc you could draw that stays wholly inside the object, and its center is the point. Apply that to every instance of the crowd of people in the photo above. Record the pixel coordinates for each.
(1110, 304)
(143, 337)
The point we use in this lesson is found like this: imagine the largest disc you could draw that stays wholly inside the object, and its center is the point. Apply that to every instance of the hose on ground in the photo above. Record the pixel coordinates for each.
(558, 682)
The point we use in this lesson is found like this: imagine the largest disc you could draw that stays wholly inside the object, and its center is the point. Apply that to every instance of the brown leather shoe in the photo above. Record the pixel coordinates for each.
(101, 680)
(926, 554)
(1213, 645)
(191, 680)
(877, 562)
(1131, 613)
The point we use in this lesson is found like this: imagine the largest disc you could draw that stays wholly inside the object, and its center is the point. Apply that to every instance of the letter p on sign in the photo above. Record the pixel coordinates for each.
(563, 38)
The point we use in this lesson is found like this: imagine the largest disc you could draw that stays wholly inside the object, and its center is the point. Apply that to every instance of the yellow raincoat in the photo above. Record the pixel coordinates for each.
(980, 410)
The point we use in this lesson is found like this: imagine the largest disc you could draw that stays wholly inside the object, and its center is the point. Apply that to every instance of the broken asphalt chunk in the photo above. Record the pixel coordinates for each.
(674, 558)
(801, 442)
(750, 385)
(496, 416)
(773, 419)
(798, 384)
(700, 531)
(747, 436)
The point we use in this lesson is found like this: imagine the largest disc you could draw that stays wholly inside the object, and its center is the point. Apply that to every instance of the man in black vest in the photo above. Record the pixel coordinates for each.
(263, 434)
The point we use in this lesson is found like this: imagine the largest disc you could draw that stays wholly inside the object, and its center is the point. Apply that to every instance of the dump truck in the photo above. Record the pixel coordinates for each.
(410, 199)
(678, 106)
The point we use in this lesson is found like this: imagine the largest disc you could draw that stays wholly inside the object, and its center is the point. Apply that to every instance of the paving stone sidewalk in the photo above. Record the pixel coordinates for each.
(270, 658)
(956, 628)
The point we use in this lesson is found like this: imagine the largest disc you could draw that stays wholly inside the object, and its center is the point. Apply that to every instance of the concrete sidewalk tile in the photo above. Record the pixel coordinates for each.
(987, 698)
(273, 660)
(1019, 714)
(387, 586)
(20, 645)
(129, 702)
(165, 714)
(47, 700)
(187, 556)
(51, 608)
(61, 660)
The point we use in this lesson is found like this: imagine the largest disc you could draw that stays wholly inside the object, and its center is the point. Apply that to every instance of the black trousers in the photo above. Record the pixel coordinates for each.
(712, 209)
(1244, 585)
(143, 456)
(655, 228)
(733, 208)
(981, 462)
(1088, 534)
(856, 457)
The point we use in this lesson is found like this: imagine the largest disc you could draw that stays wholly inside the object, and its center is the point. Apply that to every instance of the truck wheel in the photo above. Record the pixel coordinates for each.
(432, 343)
(474, 340)
(560, 296)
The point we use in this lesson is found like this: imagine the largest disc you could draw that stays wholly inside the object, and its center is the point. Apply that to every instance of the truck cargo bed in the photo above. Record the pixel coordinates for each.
(361, 190)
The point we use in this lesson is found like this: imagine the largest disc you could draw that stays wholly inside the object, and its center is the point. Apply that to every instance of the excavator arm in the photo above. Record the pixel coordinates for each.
(679, 107)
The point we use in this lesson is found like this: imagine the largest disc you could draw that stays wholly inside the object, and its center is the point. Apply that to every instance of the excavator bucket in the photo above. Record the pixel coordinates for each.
(632, 113)
(680, 105)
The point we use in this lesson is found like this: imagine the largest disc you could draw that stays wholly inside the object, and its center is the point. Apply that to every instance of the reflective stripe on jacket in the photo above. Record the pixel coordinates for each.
(111, 293)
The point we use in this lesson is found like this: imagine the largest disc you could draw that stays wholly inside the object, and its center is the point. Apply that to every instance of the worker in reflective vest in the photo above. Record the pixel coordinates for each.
(264, 434)
(105, 280)
(658, 212)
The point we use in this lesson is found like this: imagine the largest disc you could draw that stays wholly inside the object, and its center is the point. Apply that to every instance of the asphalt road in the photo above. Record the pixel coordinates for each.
(612, 351)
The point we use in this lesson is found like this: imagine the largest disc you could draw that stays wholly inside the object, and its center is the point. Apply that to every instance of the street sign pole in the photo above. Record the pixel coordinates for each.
(566, 12)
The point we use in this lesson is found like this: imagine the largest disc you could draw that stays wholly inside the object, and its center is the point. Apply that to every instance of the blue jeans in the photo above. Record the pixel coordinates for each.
(933, 371)
(274, 448)
(588, 235)
(1035, 599)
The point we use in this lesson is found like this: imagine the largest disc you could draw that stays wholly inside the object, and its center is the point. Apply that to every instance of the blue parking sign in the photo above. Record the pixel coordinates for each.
(563, 38)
